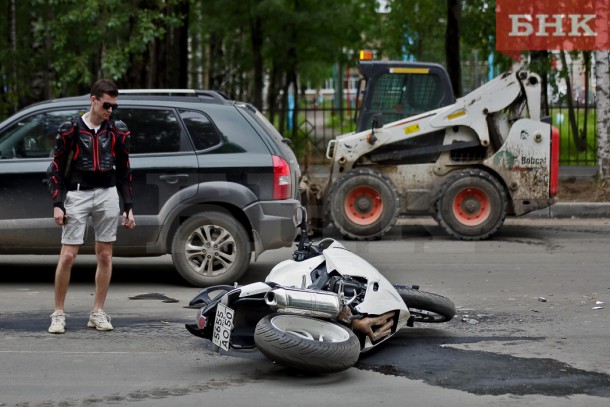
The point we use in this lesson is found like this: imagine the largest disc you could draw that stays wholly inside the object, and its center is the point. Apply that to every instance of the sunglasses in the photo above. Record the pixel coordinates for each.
(108, 105)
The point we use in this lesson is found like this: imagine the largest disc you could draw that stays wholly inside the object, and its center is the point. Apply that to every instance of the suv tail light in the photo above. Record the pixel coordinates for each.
(554, 181)
(282, 183)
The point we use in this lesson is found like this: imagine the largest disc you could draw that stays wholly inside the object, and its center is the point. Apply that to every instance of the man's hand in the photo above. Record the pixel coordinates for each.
(59, 215)
(129, 222)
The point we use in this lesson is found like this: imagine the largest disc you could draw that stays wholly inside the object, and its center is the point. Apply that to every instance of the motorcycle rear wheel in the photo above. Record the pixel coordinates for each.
(426, 307)
(307, 344)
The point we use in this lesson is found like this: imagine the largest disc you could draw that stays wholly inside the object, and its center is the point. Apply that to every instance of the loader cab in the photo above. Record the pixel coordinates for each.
(399, 89)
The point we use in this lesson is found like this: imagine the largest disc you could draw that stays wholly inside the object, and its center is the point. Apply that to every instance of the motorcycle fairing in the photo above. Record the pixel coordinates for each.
(209, 294)
(289, 273)
(254, 289)
(380, 294)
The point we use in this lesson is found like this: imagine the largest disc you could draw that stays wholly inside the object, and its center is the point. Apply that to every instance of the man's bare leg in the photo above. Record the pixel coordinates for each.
(67, 256)
(103, 252)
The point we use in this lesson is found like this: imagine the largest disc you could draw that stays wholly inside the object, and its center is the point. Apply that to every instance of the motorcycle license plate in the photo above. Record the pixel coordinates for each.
(223, 324)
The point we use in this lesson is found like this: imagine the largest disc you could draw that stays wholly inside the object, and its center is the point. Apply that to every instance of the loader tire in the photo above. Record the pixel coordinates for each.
(364, 204)
(307, 344)
(471, 205)
(426, 307)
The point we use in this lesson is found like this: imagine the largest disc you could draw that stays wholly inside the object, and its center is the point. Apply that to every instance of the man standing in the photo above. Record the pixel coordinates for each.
(90, 162)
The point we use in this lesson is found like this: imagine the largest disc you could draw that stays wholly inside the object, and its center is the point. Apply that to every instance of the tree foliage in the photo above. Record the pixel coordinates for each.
(413, 30)
(61, 46)
(57, 48)
(259, 51)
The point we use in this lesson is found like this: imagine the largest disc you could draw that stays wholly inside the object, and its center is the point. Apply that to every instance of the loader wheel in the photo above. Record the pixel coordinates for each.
(363, 204)
(471, 205)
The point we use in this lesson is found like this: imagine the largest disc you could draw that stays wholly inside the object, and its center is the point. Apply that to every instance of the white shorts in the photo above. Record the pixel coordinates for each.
(102, 204)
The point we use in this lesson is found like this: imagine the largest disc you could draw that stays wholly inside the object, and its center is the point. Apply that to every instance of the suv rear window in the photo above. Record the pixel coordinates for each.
(202, 131)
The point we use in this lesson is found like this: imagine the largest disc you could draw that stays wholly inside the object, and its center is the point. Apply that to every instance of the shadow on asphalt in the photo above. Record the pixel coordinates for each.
(149, 270)
(41, 269)
(426, 354)
(422, 354)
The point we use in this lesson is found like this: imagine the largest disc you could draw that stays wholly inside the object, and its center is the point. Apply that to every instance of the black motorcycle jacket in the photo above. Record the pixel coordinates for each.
(84, 159)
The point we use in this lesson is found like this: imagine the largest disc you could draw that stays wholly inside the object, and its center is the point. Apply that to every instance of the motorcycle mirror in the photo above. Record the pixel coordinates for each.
(299, 218)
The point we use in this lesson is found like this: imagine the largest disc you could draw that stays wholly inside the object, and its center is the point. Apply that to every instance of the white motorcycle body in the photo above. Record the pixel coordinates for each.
(380, 297)
(316, 312)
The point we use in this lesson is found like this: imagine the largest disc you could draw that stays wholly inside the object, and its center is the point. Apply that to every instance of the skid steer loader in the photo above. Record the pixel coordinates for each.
(418, 151)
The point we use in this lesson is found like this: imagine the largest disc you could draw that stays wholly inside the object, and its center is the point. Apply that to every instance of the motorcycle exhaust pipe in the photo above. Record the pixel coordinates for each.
(304, 302)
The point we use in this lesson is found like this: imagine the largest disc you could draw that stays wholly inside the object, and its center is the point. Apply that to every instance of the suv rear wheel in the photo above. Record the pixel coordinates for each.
(211, 248)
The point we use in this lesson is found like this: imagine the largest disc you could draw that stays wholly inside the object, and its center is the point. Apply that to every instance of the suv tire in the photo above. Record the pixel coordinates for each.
(211, 248)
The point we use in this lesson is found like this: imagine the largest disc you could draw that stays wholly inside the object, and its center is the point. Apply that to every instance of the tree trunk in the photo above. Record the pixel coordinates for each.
(215, 58)
(587, 61)
(152, 72)
(452, 45)
(13, 44)
(272, 92)
(602, 86)
(180, 50)
(580, 146)
(284, 106)
(257, 38)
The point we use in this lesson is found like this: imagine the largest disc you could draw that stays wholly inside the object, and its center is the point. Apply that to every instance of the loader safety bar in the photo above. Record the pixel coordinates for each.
(330, 150)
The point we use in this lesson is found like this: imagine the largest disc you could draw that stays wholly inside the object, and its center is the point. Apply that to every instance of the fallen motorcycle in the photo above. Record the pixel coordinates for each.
(315, 312)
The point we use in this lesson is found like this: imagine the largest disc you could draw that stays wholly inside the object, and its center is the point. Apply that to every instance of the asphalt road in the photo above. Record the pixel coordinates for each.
(526, 332)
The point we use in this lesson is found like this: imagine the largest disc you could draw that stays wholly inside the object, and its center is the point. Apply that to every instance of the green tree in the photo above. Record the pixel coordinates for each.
(58, 47)
(288, 42)
(412, 30)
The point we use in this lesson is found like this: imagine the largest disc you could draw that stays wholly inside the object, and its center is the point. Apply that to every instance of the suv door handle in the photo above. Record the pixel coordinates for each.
(173, 178)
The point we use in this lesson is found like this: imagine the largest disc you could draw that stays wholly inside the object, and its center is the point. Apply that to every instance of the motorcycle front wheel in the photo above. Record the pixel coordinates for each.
(426, 307)
(307, 344)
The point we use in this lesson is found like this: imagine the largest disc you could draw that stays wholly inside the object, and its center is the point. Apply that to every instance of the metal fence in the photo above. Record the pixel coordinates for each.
(316, 123)
(578, 133)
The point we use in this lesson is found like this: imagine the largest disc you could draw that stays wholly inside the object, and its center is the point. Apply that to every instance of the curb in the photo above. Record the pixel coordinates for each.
(576, 210)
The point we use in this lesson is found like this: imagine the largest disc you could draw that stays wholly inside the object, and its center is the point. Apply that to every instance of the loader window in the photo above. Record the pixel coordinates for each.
(402, 95)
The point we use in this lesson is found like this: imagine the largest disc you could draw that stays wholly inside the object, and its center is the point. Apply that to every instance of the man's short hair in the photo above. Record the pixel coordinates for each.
(104, 86)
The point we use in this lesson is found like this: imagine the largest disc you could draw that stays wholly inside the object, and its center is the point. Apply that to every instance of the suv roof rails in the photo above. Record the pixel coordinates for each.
(215, 96)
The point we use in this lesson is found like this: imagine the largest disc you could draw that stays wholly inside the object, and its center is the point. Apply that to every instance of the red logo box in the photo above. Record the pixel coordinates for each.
(570, 25)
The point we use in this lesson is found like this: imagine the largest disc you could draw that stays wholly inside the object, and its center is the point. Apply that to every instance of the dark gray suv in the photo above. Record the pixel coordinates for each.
(213, 182)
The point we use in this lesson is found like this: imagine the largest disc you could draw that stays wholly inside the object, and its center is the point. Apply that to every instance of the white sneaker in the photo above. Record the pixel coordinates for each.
(100, 321)
(58, 322)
